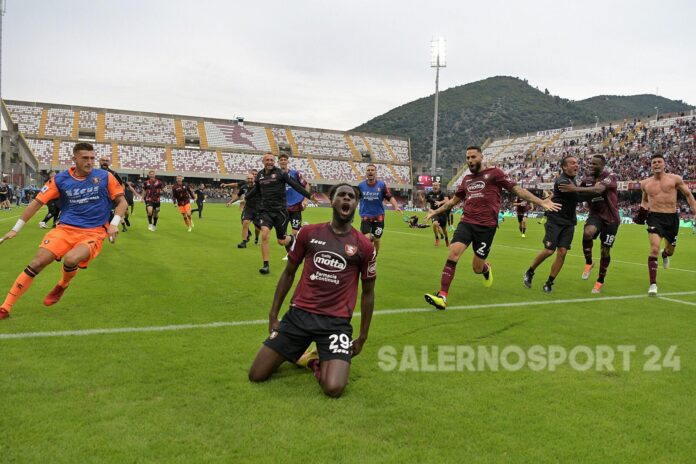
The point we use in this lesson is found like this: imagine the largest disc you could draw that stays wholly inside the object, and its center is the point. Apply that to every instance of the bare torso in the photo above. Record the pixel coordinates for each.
(661, 192)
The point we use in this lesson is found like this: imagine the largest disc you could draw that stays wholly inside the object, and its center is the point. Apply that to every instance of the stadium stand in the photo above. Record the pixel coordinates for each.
(207, 148)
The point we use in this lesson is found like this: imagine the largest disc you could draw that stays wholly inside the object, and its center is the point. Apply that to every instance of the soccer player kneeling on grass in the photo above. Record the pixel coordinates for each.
(85, 196)
(336, 256)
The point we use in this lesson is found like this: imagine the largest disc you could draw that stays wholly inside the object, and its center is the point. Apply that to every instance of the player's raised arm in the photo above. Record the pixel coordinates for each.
(525, 194)
(28, 213)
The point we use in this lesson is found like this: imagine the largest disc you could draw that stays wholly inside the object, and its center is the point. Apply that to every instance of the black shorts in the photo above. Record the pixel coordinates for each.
(666, 225)
(129, 201)
(480, 236)
(521, 217)
(442, 220)
(153, 205)
(298, 329)
(605, 231)
(558, 236)
(295, 219)
(275, 219)
(375, 228)
(3, 197)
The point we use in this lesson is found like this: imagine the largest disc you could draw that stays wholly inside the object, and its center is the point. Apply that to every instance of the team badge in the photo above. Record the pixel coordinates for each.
(485, 177)
(273, 335)
(46, 242)
(95, 180)
(273, 176)
(351, 250)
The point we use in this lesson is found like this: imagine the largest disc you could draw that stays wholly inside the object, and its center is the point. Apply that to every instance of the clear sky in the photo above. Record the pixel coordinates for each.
(334, 64)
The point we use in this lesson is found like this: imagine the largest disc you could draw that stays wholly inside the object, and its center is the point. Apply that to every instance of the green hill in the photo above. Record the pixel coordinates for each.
(471, 113)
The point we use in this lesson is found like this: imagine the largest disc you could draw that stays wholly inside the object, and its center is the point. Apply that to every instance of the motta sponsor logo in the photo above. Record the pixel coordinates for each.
(476, 186)
(329, 261)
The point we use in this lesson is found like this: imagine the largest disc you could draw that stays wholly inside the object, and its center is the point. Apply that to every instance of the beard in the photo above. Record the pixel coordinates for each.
(337, 217)
(475, 168)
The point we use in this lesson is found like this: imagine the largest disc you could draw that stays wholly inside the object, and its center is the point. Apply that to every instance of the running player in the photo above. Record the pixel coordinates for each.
(152, 190)
(603, 219)
(435, 199)
(480, 190)
(53, 208)
(200, 199)
(522, 208)
(296, 201)
(560, 225)
(373, 192)
(86, 195)
(659, 209)
(182, 196)
(336, 257)
(270, 185)
(250, 211)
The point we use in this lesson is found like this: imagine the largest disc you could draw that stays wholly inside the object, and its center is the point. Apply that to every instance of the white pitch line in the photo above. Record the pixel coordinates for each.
(677, 301)
(8, 218)
(168, 328)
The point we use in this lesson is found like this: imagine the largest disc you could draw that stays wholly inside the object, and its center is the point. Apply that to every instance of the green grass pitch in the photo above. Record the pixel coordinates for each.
(182, 396)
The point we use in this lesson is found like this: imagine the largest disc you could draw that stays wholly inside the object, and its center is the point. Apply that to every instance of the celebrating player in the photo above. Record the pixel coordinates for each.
(296, 201)
(435, 199)
(250, 210)
(373, 192)
(152, 189)
(522, 208)
(659, 209)
(270, 185)
(480, 190)
(560, 225)
(182, 195)
(85, 195)
(335, 257)
(600, 191)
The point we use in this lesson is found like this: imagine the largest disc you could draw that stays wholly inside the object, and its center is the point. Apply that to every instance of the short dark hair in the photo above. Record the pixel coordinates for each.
(601, 157)
(334, 189)
(80, 146)
(283, 155)
(657, 155)
(474, 147)
(565, 159)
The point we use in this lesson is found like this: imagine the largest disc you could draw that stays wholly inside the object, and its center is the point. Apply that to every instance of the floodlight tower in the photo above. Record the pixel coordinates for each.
(438, 59)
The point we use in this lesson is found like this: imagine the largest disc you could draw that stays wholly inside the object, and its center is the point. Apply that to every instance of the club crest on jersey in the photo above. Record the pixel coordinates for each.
(95, 180)
(273, 176)
(351, 250)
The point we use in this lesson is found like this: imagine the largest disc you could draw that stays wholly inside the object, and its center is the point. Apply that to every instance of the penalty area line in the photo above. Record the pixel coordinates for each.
(169, 328)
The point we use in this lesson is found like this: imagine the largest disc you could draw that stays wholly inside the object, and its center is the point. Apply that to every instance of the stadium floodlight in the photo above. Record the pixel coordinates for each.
(438, 59)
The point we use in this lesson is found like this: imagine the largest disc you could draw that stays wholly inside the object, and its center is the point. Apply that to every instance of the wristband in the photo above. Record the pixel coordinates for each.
(18, 226)
(116, 220)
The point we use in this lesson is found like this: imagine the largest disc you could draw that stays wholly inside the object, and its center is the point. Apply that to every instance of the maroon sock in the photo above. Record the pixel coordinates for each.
(587, 251)
(652, 269)
(603, 265)
(664, 254)
(447, 276)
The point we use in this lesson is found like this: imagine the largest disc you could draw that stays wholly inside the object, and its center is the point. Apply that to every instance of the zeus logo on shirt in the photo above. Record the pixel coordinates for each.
(78, 192)
(329, 261)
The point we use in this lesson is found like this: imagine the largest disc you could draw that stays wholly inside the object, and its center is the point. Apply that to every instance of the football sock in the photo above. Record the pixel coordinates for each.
(550, 280)
(603, 265)
(587, 250)
(265, 263)
(21, 285)
(125, 219)
(486, 271)
(664, 253)
(447, 276)
(149, 219)
(530, 271)
(68, 274)
(154, 220)
(652, 269)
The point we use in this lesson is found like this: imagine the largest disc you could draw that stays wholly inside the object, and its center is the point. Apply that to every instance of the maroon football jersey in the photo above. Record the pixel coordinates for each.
(332, 265)
(152, 190)
(182, 194)
(481, 194)
(606, 205)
